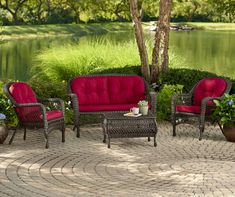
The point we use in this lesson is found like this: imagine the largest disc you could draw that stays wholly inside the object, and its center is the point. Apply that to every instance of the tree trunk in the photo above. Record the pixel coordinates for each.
(160, 51)
(139, 35)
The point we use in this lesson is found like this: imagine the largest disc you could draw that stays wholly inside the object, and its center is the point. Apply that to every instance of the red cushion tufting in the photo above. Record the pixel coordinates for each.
(209, 87)
(91, 90)
(112, 107)
(103, 90)
(124, 90)
(23, 93)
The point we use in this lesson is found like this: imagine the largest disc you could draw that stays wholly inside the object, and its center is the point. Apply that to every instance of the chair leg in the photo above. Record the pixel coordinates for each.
(46, 138)
(155, 143)
(13, 135)
(174, 126)
(201, 126)
(24, 133)
(76, 126)
(78, 131)
(63, 133)
(201, 132)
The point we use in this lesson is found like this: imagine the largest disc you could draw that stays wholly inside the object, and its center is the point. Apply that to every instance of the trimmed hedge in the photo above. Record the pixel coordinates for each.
(175, 80)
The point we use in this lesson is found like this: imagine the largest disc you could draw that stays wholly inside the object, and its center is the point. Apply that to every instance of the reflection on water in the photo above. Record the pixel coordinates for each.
(205, 50)
(16, 57)
(212, 51)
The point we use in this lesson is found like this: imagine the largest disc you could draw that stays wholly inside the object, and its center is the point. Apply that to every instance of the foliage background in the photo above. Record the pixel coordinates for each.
(83, 11)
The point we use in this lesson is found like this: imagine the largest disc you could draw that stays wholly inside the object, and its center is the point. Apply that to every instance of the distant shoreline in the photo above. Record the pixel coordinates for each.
(43, 31)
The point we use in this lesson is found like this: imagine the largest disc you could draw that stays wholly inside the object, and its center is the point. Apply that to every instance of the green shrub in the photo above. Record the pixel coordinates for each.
(52, 89)
(233, 87)
(7, 108)
(186, 77)
(164, 98)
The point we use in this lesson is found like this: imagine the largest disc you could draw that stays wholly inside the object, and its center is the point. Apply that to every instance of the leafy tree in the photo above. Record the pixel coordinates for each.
(160, 50)
(224, 8)
(140, 39)
(13, 7)
(36, 11)
(187, 8)
(160, 56)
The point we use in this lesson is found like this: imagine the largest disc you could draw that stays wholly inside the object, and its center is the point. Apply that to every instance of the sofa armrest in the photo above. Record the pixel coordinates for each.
(153, 101)
(75, 105)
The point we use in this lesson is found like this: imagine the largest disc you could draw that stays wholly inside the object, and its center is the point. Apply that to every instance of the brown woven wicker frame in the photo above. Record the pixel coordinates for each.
(116, 125)
(47, 126)
(186, 99)
(151, 96)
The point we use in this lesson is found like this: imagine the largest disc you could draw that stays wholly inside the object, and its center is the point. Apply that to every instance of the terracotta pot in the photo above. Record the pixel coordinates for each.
(3, 133)
(229, 133)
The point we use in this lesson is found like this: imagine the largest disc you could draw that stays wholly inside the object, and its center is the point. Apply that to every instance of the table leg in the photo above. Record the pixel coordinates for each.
(104, 130)
(155, 143)
(109, 145)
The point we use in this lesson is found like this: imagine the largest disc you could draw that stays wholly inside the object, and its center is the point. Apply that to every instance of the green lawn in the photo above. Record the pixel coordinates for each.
(213, 26)
(31, 31)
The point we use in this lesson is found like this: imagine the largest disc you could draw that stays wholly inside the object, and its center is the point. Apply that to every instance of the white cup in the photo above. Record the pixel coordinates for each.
(134, 110)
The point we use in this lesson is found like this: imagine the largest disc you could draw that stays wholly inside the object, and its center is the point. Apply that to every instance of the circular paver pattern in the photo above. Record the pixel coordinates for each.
(178, 166)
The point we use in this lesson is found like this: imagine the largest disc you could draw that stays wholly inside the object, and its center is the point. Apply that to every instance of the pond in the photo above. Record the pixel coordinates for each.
(205, 50)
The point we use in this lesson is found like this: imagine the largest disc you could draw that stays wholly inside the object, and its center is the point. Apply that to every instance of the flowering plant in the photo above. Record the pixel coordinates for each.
(225, 111)
(2, 118)
(143, 103)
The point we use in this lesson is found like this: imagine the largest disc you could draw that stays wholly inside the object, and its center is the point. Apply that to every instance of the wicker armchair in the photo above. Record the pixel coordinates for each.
(198, 103)
(33, 112)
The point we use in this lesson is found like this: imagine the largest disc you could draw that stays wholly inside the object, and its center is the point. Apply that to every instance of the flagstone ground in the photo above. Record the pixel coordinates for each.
(178, 166)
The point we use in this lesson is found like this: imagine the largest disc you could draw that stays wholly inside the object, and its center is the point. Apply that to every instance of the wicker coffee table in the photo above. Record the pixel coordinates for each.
(116, 125)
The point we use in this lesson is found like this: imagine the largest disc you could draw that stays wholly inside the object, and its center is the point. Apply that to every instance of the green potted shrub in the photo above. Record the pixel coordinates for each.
(224, 114)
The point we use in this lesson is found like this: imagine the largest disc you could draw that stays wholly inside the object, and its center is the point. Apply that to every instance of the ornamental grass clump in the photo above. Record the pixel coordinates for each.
(225, 111)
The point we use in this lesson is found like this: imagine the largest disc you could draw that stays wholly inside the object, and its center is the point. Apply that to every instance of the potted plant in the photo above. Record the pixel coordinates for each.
(224, 114)
(143, 105)
(3, 128)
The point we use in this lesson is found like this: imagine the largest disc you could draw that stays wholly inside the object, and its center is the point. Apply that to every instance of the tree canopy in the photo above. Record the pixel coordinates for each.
(77, 11)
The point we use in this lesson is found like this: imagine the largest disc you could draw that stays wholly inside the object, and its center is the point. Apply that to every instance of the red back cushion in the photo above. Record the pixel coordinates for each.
(23, 93)
(126, 89)
(91, 90)
(209, 87)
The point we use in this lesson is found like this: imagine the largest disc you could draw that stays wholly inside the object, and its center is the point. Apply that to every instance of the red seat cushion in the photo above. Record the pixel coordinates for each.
(36, 116)
(111, 107)
(209, 87)
(22, 93)
(91, 90)
(190, 109)
(126, 89)
(53, 114)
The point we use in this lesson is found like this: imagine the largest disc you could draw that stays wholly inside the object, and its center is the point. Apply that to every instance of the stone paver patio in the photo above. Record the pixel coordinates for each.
(179, 166)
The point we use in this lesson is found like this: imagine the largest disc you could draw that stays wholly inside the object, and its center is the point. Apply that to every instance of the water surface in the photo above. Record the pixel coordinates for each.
(205, 50)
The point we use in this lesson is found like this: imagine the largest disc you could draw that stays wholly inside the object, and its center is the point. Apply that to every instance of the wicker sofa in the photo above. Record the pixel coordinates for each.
(99, 94)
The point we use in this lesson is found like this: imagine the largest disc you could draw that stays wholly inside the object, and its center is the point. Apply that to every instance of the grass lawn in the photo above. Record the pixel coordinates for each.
(213, 26)
(31, 31)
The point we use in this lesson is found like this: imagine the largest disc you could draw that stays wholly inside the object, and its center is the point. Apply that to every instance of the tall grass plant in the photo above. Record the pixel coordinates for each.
(88, 57)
